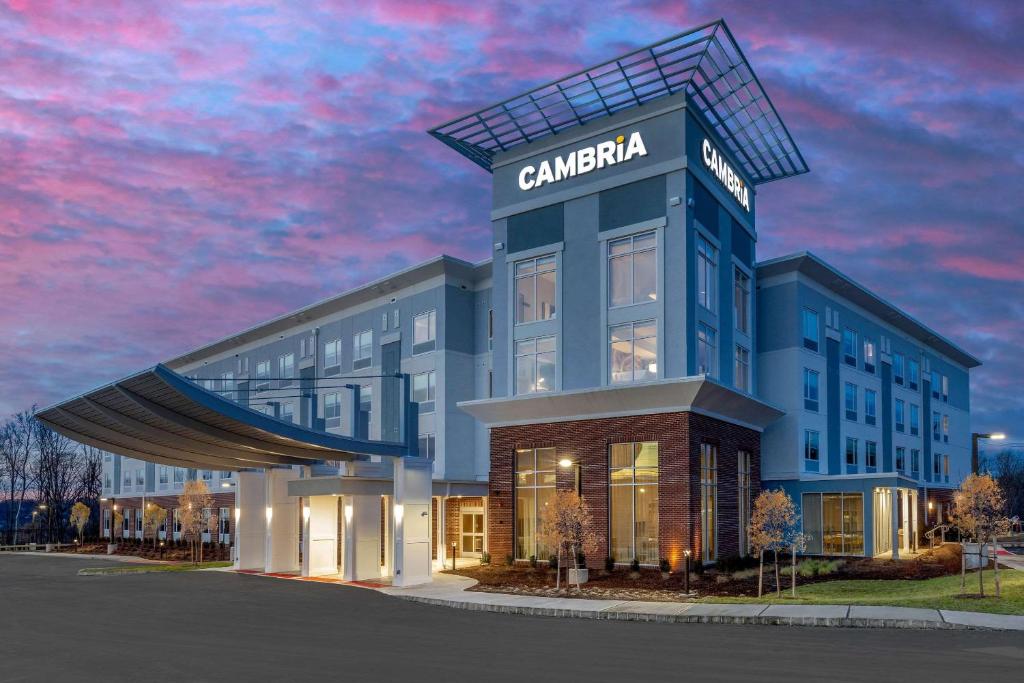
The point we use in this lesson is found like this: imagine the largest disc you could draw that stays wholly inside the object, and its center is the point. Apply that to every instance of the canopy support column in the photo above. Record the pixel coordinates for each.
(320, 536)
(250, 520)
(282, 510)
(362, 538)
(412, 521)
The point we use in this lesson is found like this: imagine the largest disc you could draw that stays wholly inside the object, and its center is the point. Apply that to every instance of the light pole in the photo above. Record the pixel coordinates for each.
(975, 438)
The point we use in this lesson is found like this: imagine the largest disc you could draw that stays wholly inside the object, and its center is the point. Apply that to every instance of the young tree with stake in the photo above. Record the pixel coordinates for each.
(567, 525)
(152, 518)
(979, 511)
(194, 498)
(79, 518)
(773, 526)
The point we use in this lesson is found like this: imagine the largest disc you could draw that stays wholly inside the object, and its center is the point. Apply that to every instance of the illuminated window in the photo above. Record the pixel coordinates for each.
(535, 365)
(633, 351)
(869, 356)
(633, 270)
(536, 287)
(707, 357)
(633, 496)
(744, 499)
(535, 487)
(709, 501)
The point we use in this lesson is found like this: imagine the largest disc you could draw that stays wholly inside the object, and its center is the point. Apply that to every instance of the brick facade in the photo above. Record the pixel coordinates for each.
(587, 442)
(453, 520)
(129, 504)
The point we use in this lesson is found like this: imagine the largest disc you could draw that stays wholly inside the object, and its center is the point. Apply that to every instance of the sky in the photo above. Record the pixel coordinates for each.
(174, 172)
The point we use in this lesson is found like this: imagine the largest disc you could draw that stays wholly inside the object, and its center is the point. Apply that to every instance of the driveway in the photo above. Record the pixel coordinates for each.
(216, 626)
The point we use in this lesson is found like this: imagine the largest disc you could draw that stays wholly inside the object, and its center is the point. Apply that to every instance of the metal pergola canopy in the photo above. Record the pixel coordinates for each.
(705, 62)
(159, 416)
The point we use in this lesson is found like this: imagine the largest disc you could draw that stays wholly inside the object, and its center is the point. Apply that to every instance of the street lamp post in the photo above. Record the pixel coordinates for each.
(975, 438)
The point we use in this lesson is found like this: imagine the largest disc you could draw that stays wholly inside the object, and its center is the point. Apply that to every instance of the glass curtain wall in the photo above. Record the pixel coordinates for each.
(633, 497)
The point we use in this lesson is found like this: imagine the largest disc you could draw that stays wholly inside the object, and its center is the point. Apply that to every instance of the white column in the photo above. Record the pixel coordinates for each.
(412, 521)
(906, 522)
(362, 538)
(320, 536)
(895, 521)
(282, 513)
(250, 520)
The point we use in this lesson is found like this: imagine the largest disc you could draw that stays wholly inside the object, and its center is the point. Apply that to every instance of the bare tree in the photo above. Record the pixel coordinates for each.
(567, 525)
(16, 444)
(1007, 466)
(56, 474)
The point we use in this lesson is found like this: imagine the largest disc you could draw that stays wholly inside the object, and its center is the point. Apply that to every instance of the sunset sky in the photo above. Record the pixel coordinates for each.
(171, 172)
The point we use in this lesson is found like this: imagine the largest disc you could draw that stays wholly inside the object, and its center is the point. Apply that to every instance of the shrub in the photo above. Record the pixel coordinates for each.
(533, 561)
(609, 564)
(634, 565)
(813, 567)
(744, 574)
(485, 558)
(509, 560)
(665, 566)
(735, 563)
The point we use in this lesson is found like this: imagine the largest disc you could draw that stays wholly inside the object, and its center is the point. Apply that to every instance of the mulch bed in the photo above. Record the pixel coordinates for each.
(170, 553)
(651, 585)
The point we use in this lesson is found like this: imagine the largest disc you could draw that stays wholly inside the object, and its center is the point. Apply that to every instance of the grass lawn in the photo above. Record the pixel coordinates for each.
(149, 568)
(939, 593)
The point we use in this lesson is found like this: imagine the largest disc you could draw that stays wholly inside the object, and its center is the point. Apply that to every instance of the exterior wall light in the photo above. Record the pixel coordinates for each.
(399, 512)
(270, 514)
(565, 463)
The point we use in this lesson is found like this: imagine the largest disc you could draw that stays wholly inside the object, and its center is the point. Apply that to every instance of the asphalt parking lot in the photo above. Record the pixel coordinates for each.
(217, 626)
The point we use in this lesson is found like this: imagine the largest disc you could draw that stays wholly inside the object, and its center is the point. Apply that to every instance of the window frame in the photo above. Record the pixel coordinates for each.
(534, 275)
(630, 257)
(429, 343)
(742, 292)
(812, 403)
(632, 340)
(805, 315)
(533, 358)
(706, 273)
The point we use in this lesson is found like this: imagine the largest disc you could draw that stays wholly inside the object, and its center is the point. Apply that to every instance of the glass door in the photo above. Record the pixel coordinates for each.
(472, 533)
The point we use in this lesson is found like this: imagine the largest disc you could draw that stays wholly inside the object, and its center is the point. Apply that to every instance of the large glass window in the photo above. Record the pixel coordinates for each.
(915, 419)
(741, 300)
(834, 523)
(535, 365)
(741, 369)
(811, 401)
(870, 454)
(633, 270)
(707, 358)
(743, 498)
(812, 451)
(851, 453)
(423, 390)
(809, 321)
(535, 289)
(362, 349)
(332, 410)
(850, 347)
(913, 374)
(709, 501)
(707, 274)
(332, 354)
(869, 356)
(633, 351)
(535, 487)
(633, 495)
(424, 332)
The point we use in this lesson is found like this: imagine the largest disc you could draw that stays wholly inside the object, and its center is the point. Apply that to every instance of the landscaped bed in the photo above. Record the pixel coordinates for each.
(170, 552)
(739, 582)
(149, 568)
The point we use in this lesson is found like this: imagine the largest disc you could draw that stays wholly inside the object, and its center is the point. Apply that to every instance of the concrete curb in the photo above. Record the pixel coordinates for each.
(840, 622)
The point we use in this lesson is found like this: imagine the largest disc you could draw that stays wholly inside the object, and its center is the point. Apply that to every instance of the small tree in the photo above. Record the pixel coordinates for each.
(79, 518)
(116, 522)
(979, 512)
(152, 518)
(773, 526)
(213, 526)
(566, 524)
(194, 498)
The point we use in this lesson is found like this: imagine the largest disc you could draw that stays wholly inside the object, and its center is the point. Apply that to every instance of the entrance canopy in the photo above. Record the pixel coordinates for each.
(159, 416)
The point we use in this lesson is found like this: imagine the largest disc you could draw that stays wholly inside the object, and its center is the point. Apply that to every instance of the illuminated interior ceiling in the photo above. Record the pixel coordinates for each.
(704, 62)
(159, 416)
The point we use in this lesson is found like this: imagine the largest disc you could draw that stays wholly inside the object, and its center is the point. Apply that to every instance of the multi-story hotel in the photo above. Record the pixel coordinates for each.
(622, 340)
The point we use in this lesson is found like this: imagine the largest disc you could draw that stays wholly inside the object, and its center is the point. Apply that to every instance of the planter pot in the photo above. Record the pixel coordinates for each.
(32, 546)
(49, 547)
(111, 548)
(577, 575)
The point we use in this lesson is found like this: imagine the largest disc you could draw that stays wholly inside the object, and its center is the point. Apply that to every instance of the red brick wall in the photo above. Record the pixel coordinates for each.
(586, 442)
(168, 502)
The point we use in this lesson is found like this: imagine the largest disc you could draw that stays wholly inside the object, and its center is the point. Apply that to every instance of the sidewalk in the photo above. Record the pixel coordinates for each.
(450, 591)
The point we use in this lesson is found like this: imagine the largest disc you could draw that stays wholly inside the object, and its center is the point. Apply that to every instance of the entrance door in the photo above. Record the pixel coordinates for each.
(471, 532)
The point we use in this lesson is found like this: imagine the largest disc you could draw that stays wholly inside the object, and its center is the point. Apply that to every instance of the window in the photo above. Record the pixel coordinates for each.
(706, 357)
(871, 454)
(306, 347)
(225, 474)
(811, 378)
(423, 387)
(286, 369)
(945, 428)
(332, 410)
(945, 468)
(870, 406)
(869, 356)
(227, 384)
(707, 274)
(936, 388)
(834, 523)
(741, 301)
(633, 270)
(384, 321)
(177, 521)
(810, 329)
(915, 461)
(850, 347)
(362, 349)
(743, 499)
(851, 452)
(913, 374)
(936, 426)
(535, 289)
(128, 478)
(741, 369)
(424, 332)
(394, 319)
(263, 375)
(164, 474)
(427, 445)
(812, 452)
(535, 365)
(332, 356)
(851, 401)
(897, 368)
(140, 477)
(207, 475)
(945, 389)
(901, 458)
(243, 366)
(915, 419)
(633, 497)
(709, 501)
(224, 521)
(288, 412)
(633, 351)
(900, 419)
(535, 487)
(937, 466)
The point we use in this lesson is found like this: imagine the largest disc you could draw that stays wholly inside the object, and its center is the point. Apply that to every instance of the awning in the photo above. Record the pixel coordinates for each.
(687, 394)
(159, 416)
(376, 486)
